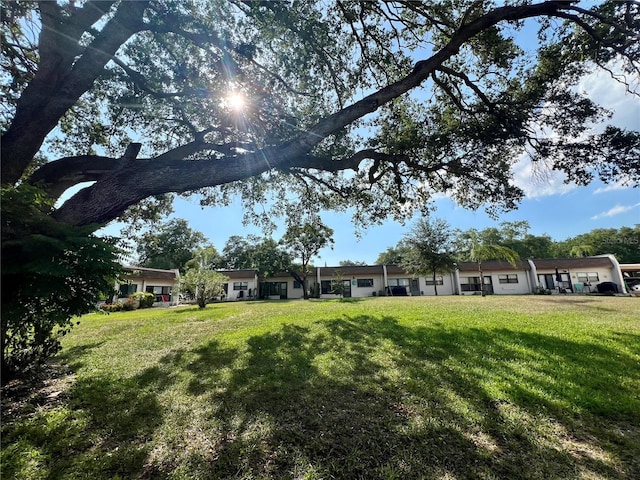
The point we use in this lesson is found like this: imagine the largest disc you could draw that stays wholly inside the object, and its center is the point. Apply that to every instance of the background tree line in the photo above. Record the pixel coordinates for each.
(174, 245)
(623, 242)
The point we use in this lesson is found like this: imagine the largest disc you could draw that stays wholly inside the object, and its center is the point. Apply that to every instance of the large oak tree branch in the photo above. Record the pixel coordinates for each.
(109, 197)
(59, 83)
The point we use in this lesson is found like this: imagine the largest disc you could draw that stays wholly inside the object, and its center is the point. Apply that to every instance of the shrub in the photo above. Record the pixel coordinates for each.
(51, 272)
(540, 290)
(130, 304)
(146, 299)
(112, 307)
(207, 284)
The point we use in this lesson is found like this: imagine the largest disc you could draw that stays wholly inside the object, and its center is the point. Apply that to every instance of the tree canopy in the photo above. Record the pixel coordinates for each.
(429, 249)
(376, 105)
(265, 255)
(171, 245)
(623, 242)
(303, 106)
(304, 241)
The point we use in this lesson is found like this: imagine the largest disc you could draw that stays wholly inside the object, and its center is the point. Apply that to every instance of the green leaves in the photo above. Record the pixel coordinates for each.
(429, 248)
(170, 246)
(51, 272)
(204, 284)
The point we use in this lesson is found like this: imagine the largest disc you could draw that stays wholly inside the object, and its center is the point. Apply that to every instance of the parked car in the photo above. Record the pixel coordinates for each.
(606, 287)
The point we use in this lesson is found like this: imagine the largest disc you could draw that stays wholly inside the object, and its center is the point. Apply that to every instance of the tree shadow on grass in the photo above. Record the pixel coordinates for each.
(353, 397)
(100, 427)
(369, 398)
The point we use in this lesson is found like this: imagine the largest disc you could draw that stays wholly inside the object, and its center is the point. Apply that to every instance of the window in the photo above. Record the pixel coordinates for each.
(399, 282)
(439, 280)
(365, 282)
(240, 285)
(158, 290)
(273, 288)
(325, 286)
(128, 289)
(162, 293)
(587, 277)
(472, 284)
(297, 284)
(508, 278)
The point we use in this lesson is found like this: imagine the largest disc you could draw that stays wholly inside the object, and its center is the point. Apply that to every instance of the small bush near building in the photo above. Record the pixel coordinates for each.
(130, 304)
(112, 307)
(146, 299)
(540, 290)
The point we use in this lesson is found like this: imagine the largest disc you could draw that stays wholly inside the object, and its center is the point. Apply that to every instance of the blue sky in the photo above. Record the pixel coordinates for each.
(550, 206)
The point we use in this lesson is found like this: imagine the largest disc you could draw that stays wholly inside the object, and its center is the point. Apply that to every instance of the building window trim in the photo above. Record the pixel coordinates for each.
(508, 278)
(241, 285)
(588, 277)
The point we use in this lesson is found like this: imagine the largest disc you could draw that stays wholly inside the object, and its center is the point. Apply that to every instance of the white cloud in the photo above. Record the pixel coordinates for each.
(617, 210)
(619, 185)
(539, 180)
(613, 95)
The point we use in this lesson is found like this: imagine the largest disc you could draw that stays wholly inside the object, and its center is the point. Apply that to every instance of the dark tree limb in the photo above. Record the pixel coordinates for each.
(60, 82)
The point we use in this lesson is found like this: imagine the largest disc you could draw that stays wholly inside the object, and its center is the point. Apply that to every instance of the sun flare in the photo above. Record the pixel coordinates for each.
(236, 101)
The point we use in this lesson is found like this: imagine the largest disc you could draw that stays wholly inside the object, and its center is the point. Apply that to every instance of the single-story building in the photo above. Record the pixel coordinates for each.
(578, 275)
(500, 277)
(162, 283)
(557, 275)
(242, 285)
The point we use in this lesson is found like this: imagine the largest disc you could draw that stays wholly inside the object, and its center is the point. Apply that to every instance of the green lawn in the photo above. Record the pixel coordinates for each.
(381, 388)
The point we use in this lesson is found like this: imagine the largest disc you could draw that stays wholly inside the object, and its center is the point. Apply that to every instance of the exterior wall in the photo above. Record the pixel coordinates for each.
(448, 286)
(292, 293)
(241, 277)
(602, 268)
(356, 291)
(296, 292)
(522, 287)
(604, 275)
(616, 272)
(142, 284)
(379, 287)
(147, 278)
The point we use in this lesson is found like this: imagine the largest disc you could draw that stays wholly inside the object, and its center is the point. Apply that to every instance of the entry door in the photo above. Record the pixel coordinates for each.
(415, 287)
(346, 288)
(546, 280)
(283, 290)
(488, 285)
(565, 282)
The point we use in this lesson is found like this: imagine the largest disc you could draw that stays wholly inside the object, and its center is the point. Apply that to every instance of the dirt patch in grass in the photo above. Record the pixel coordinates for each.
(42, 389)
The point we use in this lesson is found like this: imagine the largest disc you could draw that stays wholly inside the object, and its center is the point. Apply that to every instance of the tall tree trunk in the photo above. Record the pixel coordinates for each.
(305, 289)
(482, 292)
(435, 285)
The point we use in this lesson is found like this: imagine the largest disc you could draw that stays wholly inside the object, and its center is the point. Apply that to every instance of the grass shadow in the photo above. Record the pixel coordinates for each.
(324, 402)
(99, 428)
(349, 397)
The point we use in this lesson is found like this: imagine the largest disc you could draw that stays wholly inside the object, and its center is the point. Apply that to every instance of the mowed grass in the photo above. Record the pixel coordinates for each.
(531, 387)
